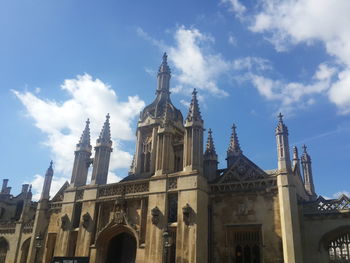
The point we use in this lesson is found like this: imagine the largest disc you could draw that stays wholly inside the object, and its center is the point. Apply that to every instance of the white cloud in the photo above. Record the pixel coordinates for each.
(232, 40)
(63, 122)
(236, 6)
(293, 95)
(37, 185)
(286, 23)
(196, 66)
(252, 63)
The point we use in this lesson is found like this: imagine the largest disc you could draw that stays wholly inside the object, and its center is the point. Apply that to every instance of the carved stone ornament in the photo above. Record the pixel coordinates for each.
(186, 211)
(119, 204)
(155, 212)
(86, 220)
(64, 222)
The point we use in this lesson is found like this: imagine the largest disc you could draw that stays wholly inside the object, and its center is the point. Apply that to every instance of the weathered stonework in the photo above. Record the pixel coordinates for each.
(175, 205)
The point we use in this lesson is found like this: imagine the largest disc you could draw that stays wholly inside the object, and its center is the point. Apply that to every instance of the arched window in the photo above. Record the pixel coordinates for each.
(339, 249)
(4, 247)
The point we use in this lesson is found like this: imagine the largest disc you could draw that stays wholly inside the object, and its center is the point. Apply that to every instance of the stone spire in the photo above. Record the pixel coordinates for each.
(194, 113)
(84, 142)
(105, 135)
(283, 154)
(82, 158)
(210, 162)
(45, 194)
(307, 171)
(102, 157)
(164, 75)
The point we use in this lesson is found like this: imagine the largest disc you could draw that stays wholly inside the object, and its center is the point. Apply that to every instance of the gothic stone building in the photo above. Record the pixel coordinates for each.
(176, 205)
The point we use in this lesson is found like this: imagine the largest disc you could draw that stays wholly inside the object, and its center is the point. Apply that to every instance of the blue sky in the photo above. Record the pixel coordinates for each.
(64, 61)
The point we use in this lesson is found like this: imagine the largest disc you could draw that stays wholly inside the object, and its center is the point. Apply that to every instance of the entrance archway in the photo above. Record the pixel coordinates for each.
(116, 244)
(121, 249)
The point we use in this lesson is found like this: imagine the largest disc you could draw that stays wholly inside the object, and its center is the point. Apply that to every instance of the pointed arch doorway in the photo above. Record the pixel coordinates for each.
(117, 244)
(121, 249)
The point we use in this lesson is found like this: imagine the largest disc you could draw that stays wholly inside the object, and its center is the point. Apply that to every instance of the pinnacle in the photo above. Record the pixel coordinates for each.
(305, 157)
(281, 127)
(85, 137)
(280, 117)
(105, 135)
(304, 148)
(295, 153)
(49, 171)
(164, 68)
(234, 146)
(210, 147)
(194, 113)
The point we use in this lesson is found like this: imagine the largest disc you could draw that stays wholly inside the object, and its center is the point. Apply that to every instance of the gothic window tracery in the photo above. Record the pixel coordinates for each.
(339, 249)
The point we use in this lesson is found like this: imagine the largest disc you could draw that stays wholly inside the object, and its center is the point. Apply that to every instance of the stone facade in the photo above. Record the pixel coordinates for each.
(175, 205)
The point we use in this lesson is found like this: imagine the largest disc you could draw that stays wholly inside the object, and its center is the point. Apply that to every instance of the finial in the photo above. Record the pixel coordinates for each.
(280, 117)
(107, 116)
(51, 163)
(304, 148)
(165, 57)
(295, 152)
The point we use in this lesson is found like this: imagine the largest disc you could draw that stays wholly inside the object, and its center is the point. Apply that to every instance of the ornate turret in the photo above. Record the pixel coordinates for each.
(210, 163)
(45, 194)
(284, 162)
(193, 140)
(103, 151)
(82, 158)
(307, 171)
(234, 149)
(157, 107)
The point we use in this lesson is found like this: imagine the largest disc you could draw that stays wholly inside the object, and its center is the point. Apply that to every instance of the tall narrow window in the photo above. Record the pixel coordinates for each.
(172, 208)
(339, 249)
(76, 214)
(245, 243)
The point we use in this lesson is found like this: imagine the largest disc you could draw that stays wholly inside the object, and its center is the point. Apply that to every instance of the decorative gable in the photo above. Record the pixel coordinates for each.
(242, 169)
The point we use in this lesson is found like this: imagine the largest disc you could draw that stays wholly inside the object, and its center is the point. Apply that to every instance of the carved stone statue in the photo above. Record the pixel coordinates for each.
(86, 220)
(155, 212)
(186, 211)
(64, 222)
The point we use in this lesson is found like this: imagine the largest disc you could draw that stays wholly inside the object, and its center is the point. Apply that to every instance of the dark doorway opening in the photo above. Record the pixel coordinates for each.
(121, 249)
